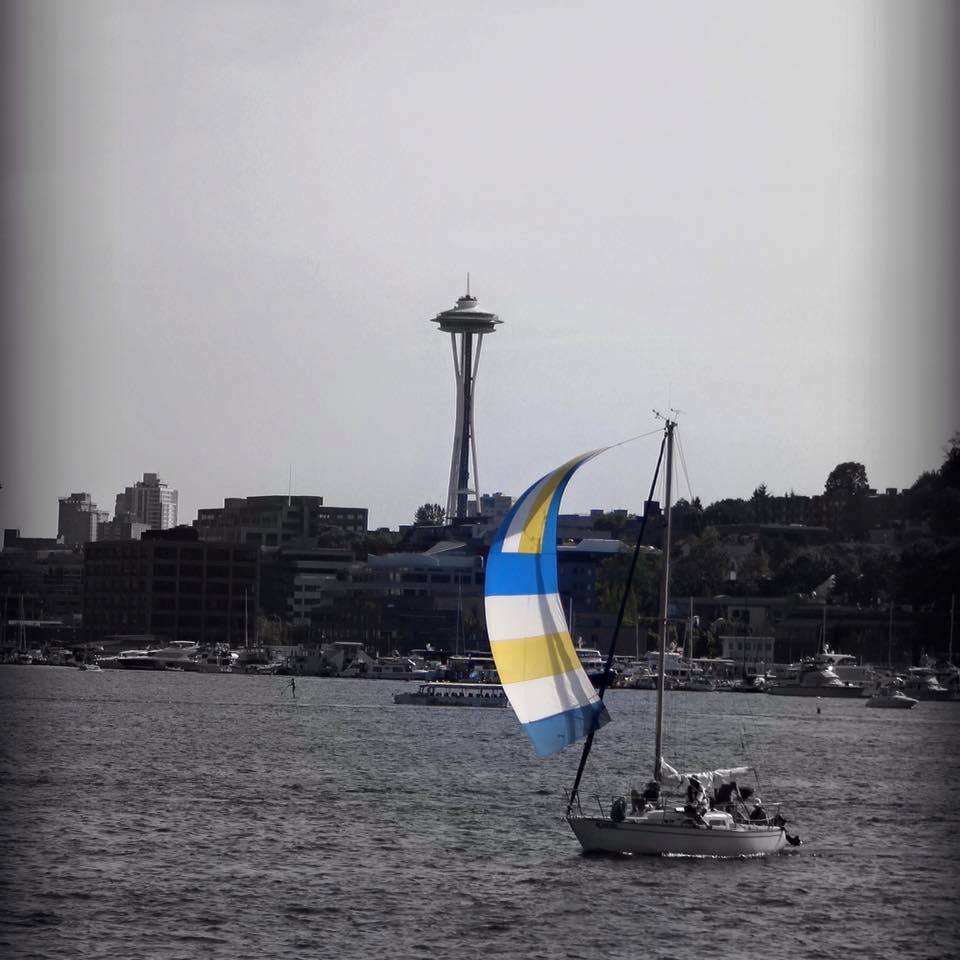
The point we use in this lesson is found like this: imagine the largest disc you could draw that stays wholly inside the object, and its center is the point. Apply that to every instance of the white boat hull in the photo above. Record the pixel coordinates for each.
(892, 703)
(683, 838)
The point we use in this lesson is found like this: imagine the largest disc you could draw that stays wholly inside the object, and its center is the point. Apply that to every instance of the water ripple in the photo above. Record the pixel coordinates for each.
(182, 816)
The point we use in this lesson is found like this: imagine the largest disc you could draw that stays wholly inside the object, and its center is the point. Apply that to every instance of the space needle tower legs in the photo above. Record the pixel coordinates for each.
(464, 322)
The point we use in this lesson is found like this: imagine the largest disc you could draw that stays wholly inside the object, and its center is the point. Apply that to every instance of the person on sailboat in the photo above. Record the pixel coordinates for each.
(696, 800)
(642, 802)
(728, 796)
(758, 814)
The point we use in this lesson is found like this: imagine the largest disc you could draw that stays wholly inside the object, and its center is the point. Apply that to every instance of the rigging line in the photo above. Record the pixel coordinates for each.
(683, 466)
(639, 436)
(605, 679)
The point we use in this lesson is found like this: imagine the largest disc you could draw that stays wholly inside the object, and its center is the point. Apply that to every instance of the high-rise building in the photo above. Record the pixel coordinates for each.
(78, 519)
(149, 501)
(464, 322)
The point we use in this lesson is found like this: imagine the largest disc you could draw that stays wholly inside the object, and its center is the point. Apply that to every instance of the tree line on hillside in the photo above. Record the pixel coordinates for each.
(922, 570)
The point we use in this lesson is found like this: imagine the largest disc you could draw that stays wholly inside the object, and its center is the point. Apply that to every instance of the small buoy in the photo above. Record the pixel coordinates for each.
(818, 704)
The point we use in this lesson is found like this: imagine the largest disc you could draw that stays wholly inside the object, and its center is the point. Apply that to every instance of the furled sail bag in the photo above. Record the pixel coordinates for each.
(537, 663)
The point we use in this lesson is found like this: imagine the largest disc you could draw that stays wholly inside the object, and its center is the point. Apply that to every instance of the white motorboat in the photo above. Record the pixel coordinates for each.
(557, 705)
(398, 668)
(130, 660)
(924, 684)
(178, 653)
(892, 698)
(815, 677)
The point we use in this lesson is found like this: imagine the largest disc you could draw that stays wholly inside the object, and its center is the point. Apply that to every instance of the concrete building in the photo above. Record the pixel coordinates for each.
(149, 501)
(749, 654)
(173, 585)
(121, 528)
(291, 579)
(41, 574)
(495, 506)
(78, 519)
(404, 601)
(275, 521)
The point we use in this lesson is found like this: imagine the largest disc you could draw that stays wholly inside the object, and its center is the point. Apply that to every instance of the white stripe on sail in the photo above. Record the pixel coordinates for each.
(511, 539)
(528, 615)
(538, 699)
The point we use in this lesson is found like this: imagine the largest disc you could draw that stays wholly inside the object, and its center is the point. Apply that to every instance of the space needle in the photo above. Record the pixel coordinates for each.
(464, 322)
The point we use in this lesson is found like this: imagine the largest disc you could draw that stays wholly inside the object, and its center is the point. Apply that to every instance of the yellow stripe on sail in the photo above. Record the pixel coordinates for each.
(531, 538)
(532, 658)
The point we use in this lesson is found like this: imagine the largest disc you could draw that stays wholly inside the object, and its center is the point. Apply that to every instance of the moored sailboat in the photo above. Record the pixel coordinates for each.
(557, 705)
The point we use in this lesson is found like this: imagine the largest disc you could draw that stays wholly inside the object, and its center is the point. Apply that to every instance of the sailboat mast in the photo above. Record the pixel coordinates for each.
(953, 600)
(664, 603)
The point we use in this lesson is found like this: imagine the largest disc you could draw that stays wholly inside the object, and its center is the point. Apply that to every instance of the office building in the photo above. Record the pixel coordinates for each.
(149, 501)
(78, 519)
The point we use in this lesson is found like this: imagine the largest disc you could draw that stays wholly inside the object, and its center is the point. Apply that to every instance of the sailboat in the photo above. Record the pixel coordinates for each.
(557, 704)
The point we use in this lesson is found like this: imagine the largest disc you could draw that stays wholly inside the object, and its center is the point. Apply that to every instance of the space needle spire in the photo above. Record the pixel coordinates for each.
(465, 323)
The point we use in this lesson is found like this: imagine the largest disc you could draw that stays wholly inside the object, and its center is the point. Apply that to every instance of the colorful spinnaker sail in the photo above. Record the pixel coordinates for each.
(538, 666)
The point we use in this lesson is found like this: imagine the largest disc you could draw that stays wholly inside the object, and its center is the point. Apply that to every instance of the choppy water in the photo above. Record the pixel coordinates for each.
(160, 815)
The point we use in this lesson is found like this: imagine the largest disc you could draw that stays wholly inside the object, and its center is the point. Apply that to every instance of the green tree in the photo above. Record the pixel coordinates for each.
(760, 504)
(847, 488)
(701, 571)
(934, 499)
(755, 569)
(848, 478)
(727, 511)
(950, 471)
(803, 572)
(377, 542)
(613, 521)
(687, 517)
(429, 515)
(643, 598)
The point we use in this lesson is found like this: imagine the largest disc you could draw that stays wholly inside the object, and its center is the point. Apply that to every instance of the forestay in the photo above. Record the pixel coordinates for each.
(529, 638)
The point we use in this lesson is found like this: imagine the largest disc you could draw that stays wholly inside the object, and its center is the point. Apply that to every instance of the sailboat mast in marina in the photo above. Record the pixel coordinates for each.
(557, 704)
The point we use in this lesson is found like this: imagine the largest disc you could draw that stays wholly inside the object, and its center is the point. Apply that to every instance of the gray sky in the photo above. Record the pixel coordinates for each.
(228, 224)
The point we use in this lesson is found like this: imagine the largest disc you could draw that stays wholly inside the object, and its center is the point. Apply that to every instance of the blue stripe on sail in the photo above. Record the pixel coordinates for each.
(519, 574)
(554, 733)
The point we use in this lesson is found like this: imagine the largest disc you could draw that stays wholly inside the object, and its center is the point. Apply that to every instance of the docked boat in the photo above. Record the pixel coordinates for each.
(177, 654)
(923, 683)
(892, 698)
(815, 677)
(442, 693)
(557, 705)
(217, 658)
(398, 668)
(184, 654)
(592, 662)
(131, 660)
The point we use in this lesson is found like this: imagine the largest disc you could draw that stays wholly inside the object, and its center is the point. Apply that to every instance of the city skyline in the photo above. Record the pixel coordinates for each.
(230, 222)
